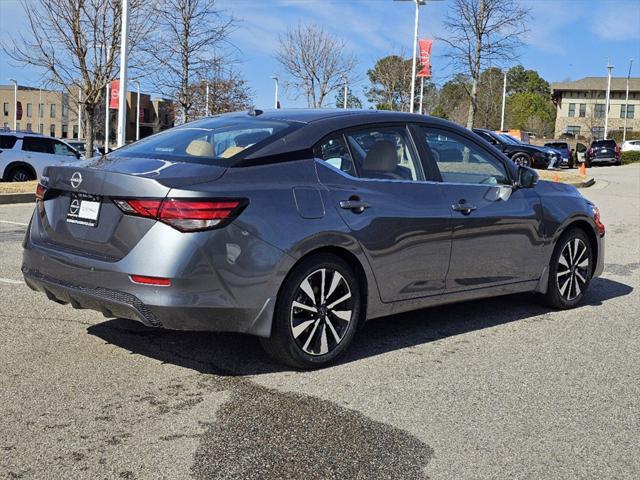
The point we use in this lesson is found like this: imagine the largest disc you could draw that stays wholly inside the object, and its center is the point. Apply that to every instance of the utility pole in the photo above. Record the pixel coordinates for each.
(275, 103)
(106, 117)
(606, 107)
(15, 103)
(626, 104)
(122, 105)
(504, 100)
(344, 100)
(421, 94)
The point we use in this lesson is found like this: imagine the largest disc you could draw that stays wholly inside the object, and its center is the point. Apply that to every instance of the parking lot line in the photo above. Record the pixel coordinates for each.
(12, 282)
(14, 223)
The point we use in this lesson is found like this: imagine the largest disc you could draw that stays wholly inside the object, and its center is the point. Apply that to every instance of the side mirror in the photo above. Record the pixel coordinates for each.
(527, 177)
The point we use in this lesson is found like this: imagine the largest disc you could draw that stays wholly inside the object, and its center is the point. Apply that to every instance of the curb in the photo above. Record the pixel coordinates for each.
(6, 198)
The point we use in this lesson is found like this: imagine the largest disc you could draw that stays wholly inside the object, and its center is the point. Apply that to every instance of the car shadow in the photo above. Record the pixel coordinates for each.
(230, 354)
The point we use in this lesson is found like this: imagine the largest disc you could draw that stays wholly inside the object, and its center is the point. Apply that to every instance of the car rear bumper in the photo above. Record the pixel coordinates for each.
(207, 292)
(604, 160)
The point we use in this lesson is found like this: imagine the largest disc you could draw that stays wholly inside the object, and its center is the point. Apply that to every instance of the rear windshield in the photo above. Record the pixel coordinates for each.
(604, 143)
(211, 141)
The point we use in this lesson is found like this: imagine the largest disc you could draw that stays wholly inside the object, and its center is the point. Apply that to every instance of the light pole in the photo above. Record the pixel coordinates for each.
(626, 104)
(504, 100)
(275, 103)
(106, 117)
(79, 112)
(206, 101)
(415, 44)
(606, 107)
(122, 105)
(137, 111)
(15, 103)
(344, 100)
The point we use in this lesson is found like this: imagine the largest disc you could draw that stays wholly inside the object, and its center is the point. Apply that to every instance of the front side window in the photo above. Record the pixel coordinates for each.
(384, 153)
(209, 141)
(334, 151)
(60, 148)
(462, 161)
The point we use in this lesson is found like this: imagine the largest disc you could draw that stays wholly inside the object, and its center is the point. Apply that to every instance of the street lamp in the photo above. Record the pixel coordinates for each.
(122, 105)
(275, 104)
(626, 104)
(415, 44)
(504, 100)
(15, 103)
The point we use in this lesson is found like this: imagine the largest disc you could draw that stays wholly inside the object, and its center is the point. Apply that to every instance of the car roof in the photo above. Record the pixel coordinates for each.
(21, 134)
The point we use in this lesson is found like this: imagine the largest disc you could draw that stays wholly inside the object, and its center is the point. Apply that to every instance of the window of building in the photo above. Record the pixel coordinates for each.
(597, 133)
(41, 128)
(52, 110)
(65, 110)
(5, 108)
(52, 130)
(75, 131)
(29, 127)
(583, 110)
(29, 109)
(631, 111)
(65, 131)
(572, 109)
(573, 130)
(40, 110)
(598, 110)
(17, 125)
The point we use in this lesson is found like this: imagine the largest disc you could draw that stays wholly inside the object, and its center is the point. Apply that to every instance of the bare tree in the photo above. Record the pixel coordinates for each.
(315, 61)
(186, 36)
(483, 33)
(75, 43)
(228, 92)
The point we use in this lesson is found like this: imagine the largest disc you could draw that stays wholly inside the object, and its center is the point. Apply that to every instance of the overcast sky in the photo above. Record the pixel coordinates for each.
(568, 39)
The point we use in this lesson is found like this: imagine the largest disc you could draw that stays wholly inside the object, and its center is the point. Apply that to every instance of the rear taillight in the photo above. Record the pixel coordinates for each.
(597, 221)
(155, 281)
(186, 215)
(40, 192)
(617, 151)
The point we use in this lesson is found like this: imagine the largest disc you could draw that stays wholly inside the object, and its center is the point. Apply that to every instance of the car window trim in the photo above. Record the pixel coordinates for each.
(510, 173)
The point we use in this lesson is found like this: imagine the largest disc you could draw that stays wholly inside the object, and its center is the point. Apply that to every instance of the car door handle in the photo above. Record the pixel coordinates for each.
(463, 207)
(355, 205)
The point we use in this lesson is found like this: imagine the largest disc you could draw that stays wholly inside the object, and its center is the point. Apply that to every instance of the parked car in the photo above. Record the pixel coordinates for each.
(81, 146)
(603, 151)
(23, 156)
(631, 146)
(521, 154)
(306, 225)
(520, 135)
(564, 151)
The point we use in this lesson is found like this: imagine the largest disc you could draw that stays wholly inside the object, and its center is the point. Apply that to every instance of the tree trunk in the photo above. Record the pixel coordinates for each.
(472, 104)
(90, 113)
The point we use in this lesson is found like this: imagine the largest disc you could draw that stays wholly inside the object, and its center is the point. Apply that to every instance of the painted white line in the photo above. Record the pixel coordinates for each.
(15, 223)
(12, 282)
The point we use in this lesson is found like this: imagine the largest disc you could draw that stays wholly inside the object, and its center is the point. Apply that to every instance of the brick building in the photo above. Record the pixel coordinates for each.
(581, 106)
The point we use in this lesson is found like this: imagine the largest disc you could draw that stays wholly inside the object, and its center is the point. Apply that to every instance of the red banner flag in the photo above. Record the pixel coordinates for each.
(114, 100)
(425, 57)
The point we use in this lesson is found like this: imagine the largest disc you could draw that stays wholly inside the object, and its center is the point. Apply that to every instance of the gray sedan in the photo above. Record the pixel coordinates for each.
(299, 226)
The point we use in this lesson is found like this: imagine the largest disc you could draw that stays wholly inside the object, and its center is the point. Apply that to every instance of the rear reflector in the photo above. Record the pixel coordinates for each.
(187, 215)
(40, 191)
(156, 281)
(596, 219)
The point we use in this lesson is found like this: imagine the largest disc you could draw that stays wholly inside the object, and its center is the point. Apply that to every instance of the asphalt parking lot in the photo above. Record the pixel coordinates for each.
(500, 388)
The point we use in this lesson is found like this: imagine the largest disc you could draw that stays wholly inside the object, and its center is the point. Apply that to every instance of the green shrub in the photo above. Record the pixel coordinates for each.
(629, 157)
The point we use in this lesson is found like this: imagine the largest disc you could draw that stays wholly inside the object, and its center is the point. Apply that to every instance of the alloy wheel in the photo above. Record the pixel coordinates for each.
(573, 269)
(521, 160)
(321, 312)
(20, 176)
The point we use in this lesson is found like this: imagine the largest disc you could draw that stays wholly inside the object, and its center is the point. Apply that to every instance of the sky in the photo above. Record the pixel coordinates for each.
(567, 39)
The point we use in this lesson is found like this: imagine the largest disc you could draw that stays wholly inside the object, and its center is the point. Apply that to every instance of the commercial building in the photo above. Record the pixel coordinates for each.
(55, 113)
(581, 106)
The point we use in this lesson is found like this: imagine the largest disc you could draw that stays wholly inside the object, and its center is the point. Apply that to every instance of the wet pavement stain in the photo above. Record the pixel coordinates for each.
(261, 433)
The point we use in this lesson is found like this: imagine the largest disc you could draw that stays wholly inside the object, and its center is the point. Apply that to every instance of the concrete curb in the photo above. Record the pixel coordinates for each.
(6, 198)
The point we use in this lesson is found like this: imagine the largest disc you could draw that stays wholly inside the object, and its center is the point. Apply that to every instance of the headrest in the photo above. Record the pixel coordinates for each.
(383, 157)
(200, 148)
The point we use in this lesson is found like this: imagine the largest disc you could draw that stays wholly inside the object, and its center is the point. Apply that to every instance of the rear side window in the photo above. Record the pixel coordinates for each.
(208, 141)
(7, 141)
(37, 144)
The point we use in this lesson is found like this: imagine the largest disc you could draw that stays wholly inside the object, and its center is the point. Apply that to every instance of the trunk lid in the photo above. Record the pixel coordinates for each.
(67, 221)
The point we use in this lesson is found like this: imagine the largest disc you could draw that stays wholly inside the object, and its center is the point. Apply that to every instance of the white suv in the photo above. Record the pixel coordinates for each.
(23, 155)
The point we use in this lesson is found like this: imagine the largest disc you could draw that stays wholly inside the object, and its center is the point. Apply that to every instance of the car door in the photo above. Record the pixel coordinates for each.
(497, 231)
(401, 221)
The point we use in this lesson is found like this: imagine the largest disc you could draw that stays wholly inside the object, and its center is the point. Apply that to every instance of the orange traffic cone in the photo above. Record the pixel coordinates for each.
(583, 169)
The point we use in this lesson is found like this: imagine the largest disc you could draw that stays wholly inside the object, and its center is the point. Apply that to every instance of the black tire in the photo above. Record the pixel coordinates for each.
(569, 275)
(20, 174)
(587, 162)
(522, 159)
(320, 330)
